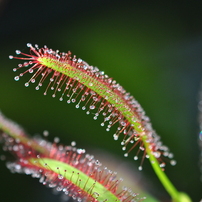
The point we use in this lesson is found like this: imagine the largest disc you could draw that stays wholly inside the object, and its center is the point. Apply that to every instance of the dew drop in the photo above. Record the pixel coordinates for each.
(17, 167)
(123, 123)
(10, 57)
(14, 69)
(95, 117)
(16, 78)
(157, 154)
(77, 106)
(126, 155)
(92, 107)
(135, 158)
(102, 124)
(17, 52)
(170, 155)
(122, 143)
(29, 45)
(79, 60)
(83, 108)
(15, 148)
(31, 70)
(88, 112)
(73, 143)
(61, 99)
(45, 133)
(60, 177)
(59, 188)
(37, 88)
(166, 153)
(173, 162)
(140, 168)
(115, 137)
(26, 64)
(53, 95)
(56, 139)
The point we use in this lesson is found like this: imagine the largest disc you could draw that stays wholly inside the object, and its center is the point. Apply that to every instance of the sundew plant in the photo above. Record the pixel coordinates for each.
(69, 169)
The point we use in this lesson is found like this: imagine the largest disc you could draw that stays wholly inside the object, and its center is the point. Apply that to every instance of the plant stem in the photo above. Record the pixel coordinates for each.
(175, 195)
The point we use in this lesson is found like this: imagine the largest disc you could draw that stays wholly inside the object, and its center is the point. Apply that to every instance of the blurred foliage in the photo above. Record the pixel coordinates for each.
(152, 49)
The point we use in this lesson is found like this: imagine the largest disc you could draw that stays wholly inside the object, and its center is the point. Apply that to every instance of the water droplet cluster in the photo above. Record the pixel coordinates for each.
(94, 92)
(66, 173)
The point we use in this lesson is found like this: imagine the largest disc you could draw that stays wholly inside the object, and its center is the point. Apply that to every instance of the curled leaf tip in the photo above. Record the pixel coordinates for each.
(94, 92)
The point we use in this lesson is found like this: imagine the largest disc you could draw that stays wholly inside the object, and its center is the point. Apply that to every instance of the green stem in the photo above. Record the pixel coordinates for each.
(175, 195)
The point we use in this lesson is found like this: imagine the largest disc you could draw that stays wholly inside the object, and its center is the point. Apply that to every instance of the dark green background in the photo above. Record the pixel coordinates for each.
(153, 49)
